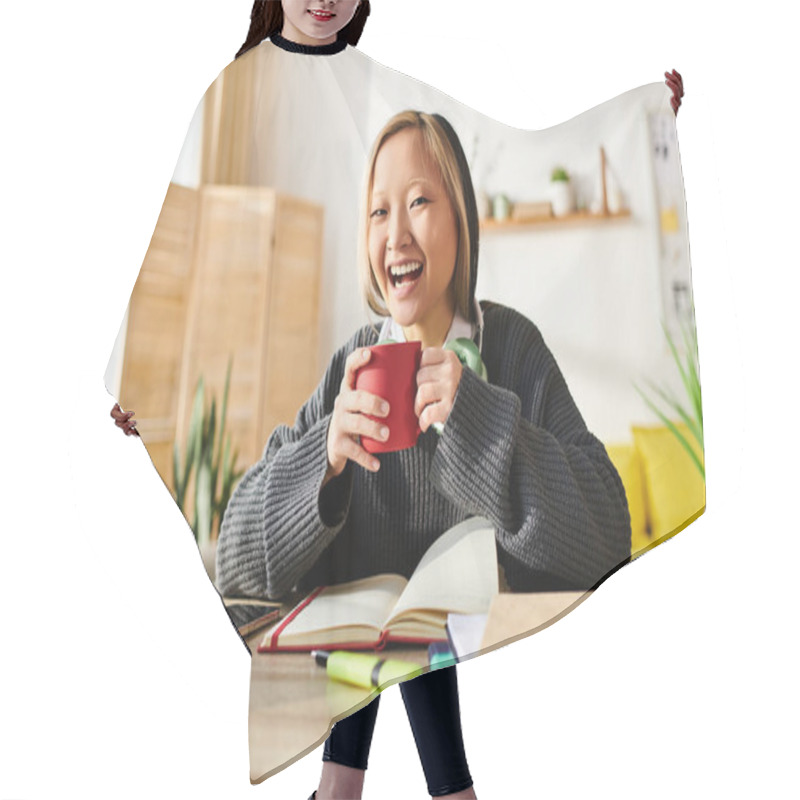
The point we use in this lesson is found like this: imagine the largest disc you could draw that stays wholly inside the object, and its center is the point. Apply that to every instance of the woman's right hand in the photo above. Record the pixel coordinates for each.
(348, 421)
(122, 419)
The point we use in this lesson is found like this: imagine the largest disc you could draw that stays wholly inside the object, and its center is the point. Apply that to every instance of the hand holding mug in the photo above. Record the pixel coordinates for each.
(437, 383)
(350, 421)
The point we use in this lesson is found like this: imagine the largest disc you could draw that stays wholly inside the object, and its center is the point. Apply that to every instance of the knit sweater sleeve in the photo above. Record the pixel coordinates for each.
(279, 520)
(526, 460)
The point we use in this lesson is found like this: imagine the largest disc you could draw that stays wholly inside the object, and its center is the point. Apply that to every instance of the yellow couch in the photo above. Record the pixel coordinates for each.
(664, 487)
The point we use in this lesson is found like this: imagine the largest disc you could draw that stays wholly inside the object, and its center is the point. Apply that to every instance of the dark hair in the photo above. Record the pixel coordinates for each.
(266, 19)
(470, 202)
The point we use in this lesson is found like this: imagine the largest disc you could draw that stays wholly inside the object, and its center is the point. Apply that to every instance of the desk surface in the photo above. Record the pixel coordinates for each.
(292, 701)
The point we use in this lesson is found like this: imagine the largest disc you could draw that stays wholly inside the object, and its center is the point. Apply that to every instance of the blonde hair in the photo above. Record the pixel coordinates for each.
(442, 146)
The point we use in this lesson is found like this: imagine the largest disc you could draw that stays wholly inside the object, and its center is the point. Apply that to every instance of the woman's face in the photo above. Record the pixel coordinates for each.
(316, 22)
(412, 237)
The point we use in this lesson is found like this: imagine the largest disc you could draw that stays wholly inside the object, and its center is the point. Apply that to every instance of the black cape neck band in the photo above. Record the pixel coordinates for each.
(307, 49)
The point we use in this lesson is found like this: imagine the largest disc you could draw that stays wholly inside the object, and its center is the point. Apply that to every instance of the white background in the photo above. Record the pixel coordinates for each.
(121, 676)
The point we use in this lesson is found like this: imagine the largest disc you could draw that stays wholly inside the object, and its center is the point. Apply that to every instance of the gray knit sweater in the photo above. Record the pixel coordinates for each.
(515, 450)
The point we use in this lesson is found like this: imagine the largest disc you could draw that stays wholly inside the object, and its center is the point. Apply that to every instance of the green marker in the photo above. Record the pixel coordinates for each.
(363, 669)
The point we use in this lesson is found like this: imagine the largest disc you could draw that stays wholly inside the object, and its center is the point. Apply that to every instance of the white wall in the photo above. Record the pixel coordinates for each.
(187, 173)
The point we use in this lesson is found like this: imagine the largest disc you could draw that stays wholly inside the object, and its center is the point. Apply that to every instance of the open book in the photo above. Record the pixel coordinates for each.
(457, 573)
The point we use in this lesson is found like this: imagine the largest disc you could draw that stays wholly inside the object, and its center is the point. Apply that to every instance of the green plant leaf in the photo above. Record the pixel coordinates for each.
(208, 451)
(678, 363)
(196, 419)
(692, 416)
(693, 369)
(226, 462)
(224, 413)
(695, 427)
(209, 434)
(204, 502)
(176, 475)
(673, 429)
(688, 371)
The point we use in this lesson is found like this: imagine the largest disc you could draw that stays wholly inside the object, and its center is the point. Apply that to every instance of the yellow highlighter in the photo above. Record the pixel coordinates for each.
(364, 669)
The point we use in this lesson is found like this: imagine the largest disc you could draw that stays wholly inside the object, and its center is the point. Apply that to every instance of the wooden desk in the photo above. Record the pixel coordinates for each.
(292, 701)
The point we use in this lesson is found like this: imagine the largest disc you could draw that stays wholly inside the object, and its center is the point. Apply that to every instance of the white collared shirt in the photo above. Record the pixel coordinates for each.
(460, 328)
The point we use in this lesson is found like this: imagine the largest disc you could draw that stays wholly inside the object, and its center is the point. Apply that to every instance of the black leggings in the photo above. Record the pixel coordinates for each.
(433, 711)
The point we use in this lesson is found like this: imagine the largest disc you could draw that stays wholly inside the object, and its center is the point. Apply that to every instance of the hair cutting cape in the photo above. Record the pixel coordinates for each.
(581, 449)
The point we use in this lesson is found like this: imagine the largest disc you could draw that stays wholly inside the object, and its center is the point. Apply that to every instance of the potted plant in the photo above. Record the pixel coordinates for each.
(209, 464)
(561, 195)
(690, 412)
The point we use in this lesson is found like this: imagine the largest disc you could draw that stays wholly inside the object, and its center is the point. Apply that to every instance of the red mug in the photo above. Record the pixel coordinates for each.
(391, 374)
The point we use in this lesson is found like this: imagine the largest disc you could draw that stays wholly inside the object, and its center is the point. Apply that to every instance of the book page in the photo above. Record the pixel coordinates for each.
(465, 632)
(458, 573)
(366, 602)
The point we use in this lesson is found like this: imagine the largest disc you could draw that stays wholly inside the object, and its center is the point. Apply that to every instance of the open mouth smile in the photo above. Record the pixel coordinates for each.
(403, 274)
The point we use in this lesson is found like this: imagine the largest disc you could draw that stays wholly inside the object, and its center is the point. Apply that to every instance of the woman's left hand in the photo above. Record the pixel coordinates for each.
(675, 82)
(437, 382)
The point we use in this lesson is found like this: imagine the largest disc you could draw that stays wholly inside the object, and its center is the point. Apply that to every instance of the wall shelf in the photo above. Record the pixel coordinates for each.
(575, 219)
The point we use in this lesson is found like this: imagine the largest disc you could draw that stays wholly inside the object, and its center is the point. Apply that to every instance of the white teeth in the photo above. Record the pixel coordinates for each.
(405, 269)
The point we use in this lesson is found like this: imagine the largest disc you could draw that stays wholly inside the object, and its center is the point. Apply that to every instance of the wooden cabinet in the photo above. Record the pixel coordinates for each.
(232, 272)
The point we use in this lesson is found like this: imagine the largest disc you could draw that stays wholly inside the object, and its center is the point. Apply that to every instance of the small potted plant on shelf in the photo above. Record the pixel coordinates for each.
(561, 195)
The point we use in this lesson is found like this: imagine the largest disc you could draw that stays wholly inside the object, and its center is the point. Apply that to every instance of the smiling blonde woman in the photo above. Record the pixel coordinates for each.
(318, 509)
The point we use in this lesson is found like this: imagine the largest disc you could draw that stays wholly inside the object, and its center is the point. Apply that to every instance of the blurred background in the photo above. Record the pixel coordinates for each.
(250, 282)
